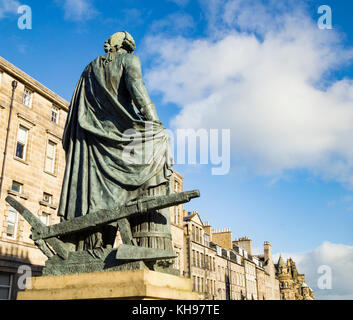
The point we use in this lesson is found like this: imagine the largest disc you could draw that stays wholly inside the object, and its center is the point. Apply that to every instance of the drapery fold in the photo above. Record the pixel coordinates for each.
(112, 156)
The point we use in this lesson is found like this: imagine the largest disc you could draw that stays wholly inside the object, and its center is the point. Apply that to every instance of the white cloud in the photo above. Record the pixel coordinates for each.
(337, 257)
(78, 10)
(8, 7)
(268, 83)
(174, 23)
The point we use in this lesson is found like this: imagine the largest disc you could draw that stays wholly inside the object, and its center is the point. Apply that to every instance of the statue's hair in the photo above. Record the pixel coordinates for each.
(128, 43)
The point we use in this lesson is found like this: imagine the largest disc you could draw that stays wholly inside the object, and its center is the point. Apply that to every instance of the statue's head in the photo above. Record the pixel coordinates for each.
(120, 40)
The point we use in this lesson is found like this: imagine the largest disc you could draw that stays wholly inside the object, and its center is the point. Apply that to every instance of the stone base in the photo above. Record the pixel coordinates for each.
(101, 260)
(116, 285)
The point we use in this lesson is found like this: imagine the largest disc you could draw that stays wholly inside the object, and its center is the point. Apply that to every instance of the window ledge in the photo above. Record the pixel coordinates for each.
(53, 133)
(21, 160)
(46, 204)
(16, 194)
(26, 118)
(51, 174)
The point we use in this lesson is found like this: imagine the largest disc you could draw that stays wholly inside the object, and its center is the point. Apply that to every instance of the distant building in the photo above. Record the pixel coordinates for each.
(32, 164)
(199, 257)
(292, 283)
(176, 224)
(268, 283)
(222, 269)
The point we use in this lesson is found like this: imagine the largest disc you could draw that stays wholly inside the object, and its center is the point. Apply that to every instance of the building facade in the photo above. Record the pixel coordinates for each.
(176, 224)
(32, 162)
(222, 269)
(292, 283)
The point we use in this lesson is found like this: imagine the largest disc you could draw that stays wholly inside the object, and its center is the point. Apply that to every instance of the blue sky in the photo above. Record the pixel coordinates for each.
(262, 69)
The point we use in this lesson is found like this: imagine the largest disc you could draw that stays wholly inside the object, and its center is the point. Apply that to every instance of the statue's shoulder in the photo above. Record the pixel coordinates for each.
(131, 59)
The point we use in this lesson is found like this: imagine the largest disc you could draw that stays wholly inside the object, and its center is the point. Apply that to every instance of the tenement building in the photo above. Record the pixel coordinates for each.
(292, 283)
(32, 165)
(177, 225)
(223, 269)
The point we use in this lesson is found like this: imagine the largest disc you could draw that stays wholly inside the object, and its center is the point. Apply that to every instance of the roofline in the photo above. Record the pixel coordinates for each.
(23, 77)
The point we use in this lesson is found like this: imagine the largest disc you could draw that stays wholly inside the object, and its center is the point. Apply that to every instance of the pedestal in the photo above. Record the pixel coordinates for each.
(116, 285)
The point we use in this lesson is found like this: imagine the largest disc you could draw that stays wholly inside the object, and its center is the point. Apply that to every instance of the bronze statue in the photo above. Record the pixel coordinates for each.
(110, 98)
(117, 158)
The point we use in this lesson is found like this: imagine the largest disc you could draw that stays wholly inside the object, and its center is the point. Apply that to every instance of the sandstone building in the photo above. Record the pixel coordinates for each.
(176, 224)
(292, 283)
(32, 163)
(222, 269)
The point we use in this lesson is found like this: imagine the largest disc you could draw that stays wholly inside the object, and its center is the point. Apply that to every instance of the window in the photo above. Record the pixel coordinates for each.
(27, 98)
(12, 223)
(5, 286)
(45, 218)
(54, 115)
(176, 186)
(176, 215)
(177, 261)
(21, 146)
(50, 159)
(48, 198)
(17, 187)
(206, 240)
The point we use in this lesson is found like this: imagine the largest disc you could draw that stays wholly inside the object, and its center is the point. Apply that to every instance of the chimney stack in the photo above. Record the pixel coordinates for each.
(245, 243)
(267, 251)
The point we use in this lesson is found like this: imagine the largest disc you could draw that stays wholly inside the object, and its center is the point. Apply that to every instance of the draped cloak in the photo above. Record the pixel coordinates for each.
(112, 155)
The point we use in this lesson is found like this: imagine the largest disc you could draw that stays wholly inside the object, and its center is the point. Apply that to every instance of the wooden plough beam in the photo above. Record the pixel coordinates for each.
(42, 234)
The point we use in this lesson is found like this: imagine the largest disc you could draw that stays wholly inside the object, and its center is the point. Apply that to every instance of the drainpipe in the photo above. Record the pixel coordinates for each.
(14, 86)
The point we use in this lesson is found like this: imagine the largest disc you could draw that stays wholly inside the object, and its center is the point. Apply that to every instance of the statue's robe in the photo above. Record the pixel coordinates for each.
(112, 156)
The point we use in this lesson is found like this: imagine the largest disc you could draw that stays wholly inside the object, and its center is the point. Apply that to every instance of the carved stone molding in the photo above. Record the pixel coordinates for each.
(26, 118)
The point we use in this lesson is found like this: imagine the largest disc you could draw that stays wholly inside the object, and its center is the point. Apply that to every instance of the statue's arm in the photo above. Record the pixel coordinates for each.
(137, 89)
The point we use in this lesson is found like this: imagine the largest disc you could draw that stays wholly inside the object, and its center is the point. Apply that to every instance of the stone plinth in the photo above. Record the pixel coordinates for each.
(119, 285)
